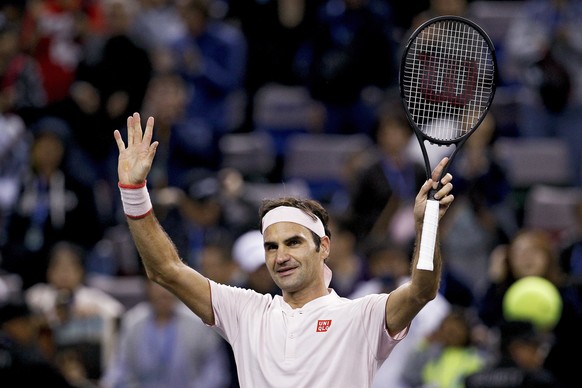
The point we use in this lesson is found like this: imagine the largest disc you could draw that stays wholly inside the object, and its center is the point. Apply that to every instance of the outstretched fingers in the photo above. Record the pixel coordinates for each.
(149, 130)
(139, 137)
(137, 133)
(119, 140)
(129, 131)
(134, 133)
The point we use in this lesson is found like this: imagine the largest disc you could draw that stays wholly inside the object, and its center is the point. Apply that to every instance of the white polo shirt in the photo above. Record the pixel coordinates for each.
(329, 342)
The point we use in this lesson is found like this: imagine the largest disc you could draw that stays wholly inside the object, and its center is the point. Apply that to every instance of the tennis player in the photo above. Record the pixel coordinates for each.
(308, 336)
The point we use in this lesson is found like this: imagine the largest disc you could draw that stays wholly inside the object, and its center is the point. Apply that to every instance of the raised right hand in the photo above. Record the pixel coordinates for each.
(135, 160)
(445, 197)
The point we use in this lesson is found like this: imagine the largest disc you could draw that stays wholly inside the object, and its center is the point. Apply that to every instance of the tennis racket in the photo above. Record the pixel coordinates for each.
(448, 77)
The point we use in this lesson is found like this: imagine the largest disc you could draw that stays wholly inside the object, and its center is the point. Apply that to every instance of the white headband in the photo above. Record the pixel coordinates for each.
(295, 215)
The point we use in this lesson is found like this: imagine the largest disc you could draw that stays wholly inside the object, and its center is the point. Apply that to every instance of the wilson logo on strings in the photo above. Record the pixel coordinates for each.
(456, 86)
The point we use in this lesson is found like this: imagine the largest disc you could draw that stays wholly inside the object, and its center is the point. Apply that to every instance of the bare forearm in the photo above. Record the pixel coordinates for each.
(164, 266)
(157, 252)
(407, 300)
(425, 284)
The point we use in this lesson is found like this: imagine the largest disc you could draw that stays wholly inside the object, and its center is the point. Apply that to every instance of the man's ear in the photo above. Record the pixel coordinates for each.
(324, 247)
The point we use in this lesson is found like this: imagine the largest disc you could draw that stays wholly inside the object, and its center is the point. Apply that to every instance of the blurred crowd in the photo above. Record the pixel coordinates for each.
(220, 75)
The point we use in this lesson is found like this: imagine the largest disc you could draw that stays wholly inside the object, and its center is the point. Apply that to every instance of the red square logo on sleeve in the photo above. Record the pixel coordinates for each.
(323, 325)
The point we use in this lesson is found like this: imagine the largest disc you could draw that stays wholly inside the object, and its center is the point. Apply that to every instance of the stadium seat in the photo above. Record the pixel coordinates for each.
(321, 161)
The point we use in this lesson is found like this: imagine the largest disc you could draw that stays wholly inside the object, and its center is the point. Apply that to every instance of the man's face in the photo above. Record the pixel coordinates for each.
(292, 257)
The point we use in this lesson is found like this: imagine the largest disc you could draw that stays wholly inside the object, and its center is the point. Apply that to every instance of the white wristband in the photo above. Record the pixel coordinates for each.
(136, 200)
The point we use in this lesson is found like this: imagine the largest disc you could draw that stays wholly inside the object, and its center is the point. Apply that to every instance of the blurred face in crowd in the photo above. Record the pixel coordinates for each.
(393, 136)
(530, 255)
(163, 301)
(449, 7)
(167, 98)
(65, 269)
(528, 354)
(454, 331)
(47, 153)
(118, 15)
(217, 264)
(193, 13)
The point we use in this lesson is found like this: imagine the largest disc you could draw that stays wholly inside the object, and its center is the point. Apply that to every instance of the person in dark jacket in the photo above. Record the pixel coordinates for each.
(520, 363)
(21, 361)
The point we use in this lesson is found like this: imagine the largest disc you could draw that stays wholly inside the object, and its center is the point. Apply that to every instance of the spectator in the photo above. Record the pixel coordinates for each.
(66, 277)
(119, 85)
(347, 262)
(216, 259)
(385, 189)
(447, 356)
(185, 145)
(211, 57)
(161, 343)
(21, 88)
(388, 267)
(349, 57)
(23, 362)
(521, 351)
(543, 49)
(53, 31)
(82, 318)
(217, 262)
(20, 92)
(531, 253)
(104, 91)
(275, 31)
(146, 28)
(248, 251)
(53, 205)
(486, 215)
(203, 214)
(240, 210)
(15, 143)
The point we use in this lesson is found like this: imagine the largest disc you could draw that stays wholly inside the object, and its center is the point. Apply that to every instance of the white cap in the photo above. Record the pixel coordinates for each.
(248, 251)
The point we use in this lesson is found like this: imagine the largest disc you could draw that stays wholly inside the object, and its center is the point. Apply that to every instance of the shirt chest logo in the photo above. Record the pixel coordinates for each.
(323, 325)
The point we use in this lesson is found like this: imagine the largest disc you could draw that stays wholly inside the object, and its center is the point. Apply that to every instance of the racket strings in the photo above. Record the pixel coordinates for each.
(448, 79)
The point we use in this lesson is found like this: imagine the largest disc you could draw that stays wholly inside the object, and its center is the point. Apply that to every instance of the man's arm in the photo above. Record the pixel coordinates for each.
(159, 255)
(407, 300)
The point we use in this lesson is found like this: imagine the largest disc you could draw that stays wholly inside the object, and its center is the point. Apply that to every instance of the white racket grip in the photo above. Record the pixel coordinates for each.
(428, 235)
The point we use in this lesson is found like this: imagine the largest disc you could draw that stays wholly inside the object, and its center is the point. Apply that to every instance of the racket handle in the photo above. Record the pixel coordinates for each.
(428, 235)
